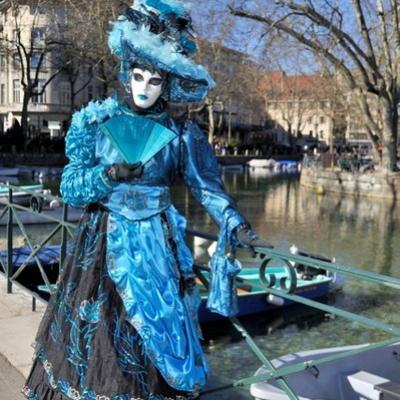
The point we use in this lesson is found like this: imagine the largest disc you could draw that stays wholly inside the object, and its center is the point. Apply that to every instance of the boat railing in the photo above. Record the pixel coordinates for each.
(283, 286)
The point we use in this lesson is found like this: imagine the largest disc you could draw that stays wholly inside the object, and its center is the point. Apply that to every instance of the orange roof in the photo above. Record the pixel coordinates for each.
(278, 85)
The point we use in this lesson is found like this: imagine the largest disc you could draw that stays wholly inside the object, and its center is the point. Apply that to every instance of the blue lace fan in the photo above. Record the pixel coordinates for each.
(137, 138)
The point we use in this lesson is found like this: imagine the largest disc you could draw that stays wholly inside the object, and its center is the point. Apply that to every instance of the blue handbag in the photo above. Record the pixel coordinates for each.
(222, 298)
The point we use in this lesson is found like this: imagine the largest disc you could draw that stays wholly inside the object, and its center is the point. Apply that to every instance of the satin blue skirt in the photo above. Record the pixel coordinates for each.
(85, 349)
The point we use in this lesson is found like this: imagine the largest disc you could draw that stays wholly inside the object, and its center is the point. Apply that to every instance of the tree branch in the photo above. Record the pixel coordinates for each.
(49, 80)
(318, 18)
(396, 29)
(345, 40)
(299, 37)
(386, 48)
(365, 32)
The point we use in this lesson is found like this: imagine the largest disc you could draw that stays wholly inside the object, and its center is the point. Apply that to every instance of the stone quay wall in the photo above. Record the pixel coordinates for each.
(26, 159)
(59, 160)
(376, 184)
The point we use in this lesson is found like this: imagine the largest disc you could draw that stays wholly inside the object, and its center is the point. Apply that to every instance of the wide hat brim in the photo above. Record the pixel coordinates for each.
(189, 82)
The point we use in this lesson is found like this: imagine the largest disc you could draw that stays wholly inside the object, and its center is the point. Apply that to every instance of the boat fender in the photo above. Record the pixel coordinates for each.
(55, 203)
(36, 204)
(275, 300)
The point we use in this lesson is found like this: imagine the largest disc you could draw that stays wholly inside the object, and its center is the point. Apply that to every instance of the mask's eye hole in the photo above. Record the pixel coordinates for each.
(155, 81)
(138, 77)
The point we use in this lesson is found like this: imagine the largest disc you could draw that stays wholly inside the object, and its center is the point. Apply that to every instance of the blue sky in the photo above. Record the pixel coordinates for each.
(212, 20)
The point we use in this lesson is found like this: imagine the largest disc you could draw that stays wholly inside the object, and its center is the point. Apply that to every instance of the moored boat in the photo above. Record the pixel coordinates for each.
(21, 196)
(253, 300)
(261, 163)
(9, 171)
(369, 375)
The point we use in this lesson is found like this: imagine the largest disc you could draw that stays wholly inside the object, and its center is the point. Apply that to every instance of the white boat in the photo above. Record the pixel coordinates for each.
(256, 163)
(22, 195)
(9, 171)
(371, 375)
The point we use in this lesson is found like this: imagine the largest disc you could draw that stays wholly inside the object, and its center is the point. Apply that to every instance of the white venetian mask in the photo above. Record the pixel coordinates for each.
(146, 87)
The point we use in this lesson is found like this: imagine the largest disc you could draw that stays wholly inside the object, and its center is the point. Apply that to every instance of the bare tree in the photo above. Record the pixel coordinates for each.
(100, 13)
(85, 28)
(75, 68)
(235, 98)
(237, 87)
(31, 45)
(366, 53)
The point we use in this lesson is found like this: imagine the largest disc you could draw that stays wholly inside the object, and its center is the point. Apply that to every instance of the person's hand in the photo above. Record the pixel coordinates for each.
(248, 238)
(187, 285)
(125, 172)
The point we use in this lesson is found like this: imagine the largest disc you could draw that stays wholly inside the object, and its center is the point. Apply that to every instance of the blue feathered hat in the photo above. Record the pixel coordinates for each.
(158, 32)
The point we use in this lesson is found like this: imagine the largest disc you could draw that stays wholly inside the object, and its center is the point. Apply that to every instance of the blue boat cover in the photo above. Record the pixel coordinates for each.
(48, 255)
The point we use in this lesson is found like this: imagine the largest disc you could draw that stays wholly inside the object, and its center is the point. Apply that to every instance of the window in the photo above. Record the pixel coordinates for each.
(309, 120)
(38, 9)
(16, 62)
(65, 93)
(16, 91)
(38, 35)
(90, 92)
(15, 35)
(2, 93)
(35, 60)
(2, 62)
(321, 134)
(321, 120)
(39, 98)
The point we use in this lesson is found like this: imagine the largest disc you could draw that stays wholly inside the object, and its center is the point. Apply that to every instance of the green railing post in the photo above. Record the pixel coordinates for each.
(9, 242)
(64, 235)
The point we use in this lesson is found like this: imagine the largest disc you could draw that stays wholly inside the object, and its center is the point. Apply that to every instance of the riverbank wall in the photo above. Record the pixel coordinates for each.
(375, 184)
(30, 159)
(59, 160)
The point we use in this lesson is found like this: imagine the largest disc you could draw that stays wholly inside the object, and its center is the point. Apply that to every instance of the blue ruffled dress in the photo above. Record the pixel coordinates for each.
(120, 326)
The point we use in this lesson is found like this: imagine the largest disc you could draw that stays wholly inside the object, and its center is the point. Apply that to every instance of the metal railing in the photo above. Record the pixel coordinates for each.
(13, 212)
(288, 287)
(268, 282)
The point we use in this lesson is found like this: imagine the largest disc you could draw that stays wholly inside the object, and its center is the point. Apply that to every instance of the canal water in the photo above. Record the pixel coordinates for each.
(356, 232)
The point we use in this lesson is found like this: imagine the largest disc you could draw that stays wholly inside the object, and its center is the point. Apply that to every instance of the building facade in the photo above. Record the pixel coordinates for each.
(47, 111)
(237, 106)
(296, 107)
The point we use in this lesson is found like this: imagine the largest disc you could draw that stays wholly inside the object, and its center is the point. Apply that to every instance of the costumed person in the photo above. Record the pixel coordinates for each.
(122, 324)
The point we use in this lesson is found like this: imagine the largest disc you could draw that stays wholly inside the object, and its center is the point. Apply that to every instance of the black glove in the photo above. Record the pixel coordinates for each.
(125, 172)
(187, 285)
(248, 238)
